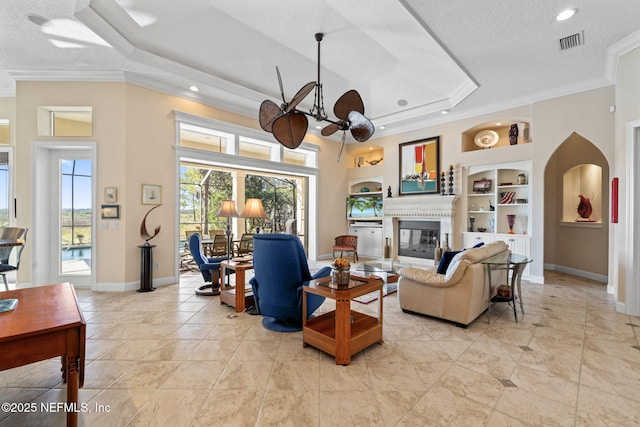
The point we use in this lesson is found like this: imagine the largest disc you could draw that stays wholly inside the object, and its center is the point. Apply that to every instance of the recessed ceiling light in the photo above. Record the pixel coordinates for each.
(444, 112)
(194, 88)
(370, 148)
(402, 102)
(498, 124)
(318, 126)
(382, 127)
(566, 14)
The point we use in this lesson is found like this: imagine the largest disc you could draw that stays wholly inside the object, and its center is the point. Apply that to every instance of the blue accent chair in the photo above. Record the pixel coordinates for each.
(280, 271)
(209, 267)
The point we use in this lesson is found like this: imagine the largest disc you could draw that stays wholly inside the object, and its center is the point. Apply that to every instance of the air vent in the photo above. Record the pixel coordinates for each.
(572, 41)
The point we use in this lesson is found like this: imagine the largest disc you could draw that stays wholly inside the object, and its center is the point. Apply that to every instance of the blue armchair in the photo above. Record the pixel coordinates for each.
(280, 271)
(209, 267)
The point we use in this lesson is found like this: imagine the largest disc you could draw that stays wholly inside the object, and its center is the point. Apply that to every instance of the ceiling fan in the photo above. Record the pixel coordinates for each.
(289, 125)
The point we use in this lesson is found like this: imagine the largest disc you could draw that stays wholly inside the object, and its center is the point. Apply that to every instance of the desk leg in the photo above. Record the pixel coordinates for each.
(240, 290)
(73, 381)
(343, 331)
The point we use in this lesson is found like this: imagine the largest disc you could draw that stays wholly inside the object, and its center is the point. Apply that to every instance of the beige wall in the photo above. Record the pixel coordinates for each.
(134, 130)
(553, 121)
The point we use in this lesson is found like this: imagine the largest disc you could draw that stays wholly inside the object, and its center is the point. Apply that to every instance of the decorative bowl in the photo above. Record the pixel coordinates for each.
(482, 229)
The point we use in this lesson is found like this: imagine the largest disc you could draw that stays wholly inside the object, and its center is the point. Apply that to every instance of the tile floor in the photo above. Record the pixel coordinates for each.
(171, 358)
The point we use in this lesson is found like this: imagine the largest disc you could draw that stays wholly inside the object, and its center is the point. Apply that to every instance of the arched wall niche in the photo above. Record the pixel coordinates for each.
(579, 248)
(585, 181)
(502, 129)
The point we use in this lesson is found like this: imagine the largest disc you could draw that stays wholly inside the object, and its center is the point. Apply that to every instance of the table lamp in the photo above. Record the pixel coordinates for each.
(253, 209)
(228, 210)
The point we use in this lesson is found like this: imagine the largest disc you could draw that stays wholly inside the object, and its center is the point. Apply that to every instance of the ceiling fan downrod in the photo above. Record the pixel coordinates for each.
(317, 111)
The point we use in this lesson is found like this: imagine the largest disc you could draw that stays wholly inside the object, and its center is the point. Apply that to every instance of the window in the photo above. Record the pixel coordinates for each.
(65, 121)
(5, 189)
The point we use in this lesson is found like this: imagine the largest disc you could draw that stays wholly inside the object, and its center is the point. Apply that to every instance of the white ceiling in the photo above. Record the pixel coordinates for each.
(465, 56)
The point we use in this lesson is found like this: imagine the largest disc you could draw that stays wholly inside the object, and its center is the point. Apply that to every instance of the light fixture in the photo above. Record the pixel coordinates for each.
(228, 210)
(289, 125)
(253, 209)
(566, 14)
(382, 127)
(444, 112)
(194, 88)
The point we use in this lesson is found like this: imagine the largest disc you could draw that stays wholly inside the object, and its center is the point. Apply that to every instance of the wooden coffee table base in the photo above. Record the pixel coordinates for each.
(342, 332)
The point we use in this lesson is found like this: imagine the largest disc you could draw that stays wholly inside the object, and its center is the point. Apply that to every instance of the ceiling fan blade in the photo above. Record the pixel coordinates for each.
(302, 93)
(349, 101)
(269, 111)
(330, 129)
(344, 137)
(290, 129)
(280, 83)
(361, 128)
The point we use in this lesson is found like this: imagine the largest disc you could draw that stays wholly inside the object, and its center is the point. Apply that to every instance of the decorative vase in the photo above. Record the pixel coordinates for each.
(340, 276)
(472, 220)
(387, 248)
(437, 253)
(445, 245)
(513, 134)
(511, 219)
(522, 179)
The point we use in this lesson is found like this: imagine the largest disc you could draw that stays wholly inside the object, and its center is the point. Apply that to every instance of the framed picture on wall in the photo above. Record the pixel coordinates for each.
(420, 166)
(110, 195)
(110, 211)
(151, 194)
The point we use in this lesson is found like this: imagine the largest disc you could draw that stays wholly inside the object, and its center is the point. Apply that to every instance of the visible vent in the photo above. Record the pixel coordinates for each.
(507, 383)
(572, 41)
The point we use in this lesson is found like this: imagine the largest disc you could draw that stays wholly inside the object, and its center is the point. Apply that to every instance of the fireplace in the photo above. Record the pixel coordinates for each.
(425, 220)
(418, 239)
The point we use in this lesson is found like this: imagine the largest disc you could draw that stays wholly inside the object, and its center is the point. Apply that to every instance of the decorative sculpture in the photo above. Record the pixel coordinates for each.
(513, 134)
(143, 227)
(511, 220)
(584, 207)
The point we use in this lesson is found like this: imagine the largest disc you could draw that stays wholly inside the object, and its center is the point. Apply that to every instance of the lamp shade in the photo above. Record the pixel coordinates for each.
(228, 209)
(253, 209)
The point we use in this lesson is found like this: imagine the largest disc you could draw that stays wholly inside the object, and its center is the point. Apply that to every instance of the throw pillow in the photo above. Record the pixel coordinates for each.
(445, 260)
(477, 245)
(453, 266)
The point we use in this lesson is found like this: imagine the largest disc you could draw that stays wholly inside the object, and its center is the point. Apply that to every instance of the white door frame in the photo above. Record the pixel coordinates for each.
(632, 235)
(43, 247)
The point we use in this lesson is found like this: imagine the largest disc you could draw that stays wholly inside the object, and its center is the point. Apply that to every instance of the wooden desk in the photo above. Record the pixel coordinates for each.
(230, 295)
(342, 332)
(46, 323)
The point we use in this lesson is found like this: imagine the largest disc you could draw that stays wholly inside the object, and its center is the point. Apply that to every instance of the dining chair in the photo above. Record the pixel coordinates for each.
(8, 262)
(346, 243)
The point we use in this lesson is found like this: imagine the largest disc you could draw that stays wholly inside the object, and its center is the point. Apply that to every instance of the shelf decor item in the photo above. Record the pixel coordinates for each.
(451, 180)
(443, 185)
(511, 220)
(472, 220)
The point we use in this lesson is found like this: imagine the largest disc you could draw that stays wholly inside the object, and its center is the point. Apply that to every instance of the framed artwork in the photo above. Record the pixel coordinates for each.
(151, 194)
(110, 211)
(420, 166)
(482, 186)
(110, 195)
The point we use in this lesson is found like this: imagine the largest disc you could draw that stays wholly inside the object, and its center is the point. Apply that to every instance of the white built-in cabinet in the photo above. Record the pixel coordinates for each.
(369, 240)
(490, 206)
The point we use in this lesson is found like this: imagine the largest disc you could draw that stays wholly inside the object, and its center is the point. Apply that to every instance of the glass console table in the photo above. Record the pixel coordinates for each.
(511, 263)
(386, 269)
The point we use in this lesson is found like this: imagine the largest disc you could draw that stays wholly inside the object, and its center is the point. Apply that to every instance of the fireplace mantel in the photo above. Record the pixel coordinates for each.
(427, 206)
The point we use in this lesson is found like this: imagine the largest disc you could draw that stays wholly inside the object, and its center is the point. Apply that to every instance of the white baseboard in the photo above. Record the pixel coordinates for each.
(131, 286)
(575, 272)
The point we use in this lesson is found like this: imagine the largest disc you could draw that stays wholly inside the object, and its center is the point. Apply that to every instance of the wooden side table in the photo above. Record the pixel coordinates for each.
(342, 332)
(234, 296)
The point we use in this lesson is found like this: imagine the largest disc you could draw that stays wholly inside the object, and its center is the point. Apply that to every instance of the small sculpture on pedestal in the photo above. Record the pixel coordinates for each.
(472, 220)
(443, 185)
(513, 134)
(389, 192)
(451, 180)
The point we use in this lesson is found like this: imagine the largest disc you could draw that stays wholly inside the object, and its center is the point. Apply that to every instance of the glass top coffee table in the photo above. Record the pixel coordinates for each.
(386, 268)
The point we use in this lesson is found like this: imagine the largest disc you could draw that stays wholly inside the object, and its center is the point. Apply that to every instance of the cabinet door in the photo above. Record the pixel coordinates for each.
(376, 242)
(472, 239)
(520, 245)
